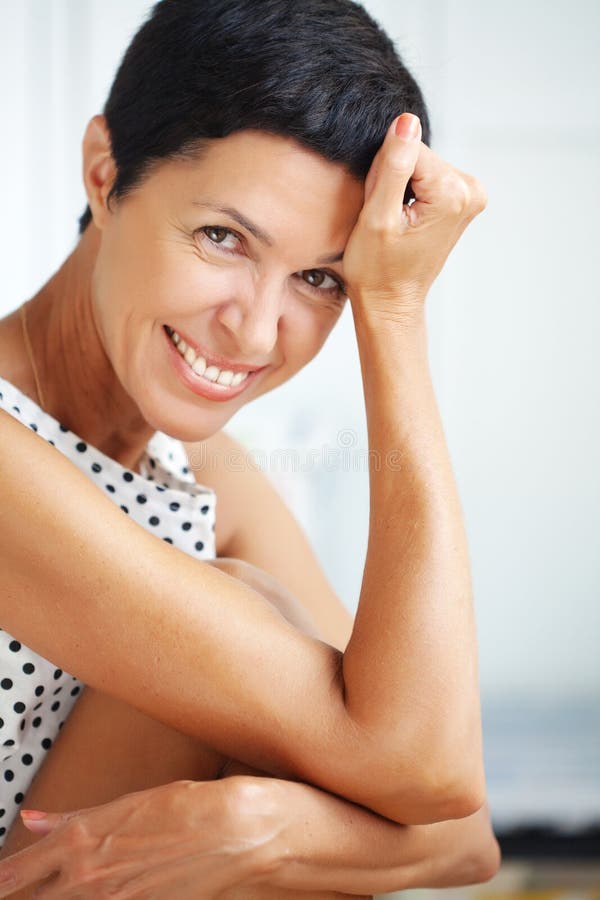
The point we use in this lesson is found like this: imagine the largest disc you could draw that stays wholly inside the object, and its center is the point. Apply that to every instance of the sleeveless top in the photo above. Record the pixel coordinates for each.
(36, 696)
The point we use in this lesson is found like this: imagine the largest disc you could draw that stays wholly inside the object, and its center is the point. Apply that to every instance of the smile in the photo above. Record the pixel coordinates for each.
(201, 367)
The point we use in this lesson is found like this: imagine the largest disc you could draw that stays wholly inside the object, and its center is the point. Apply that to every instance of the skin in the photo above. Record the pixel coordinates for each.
(104, 330)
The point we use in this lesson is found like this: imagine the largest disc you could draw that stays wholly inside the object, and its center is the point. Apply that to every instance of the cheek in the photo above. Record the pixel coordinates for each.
(306, 329)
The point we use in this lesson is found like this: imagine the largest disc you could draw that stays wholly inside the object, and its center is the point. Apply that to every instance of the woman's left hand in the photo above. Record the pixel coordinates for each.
(184, 840)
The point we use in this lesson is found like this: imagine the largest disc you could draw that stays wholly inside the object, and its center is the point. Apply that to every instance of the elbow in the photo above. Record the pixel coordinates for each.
(420, 799)
(485, 864)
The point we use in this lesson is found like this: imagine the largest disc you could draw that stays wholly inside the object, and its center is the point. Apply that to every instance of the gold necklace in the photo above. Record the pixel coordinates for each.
(29, 350)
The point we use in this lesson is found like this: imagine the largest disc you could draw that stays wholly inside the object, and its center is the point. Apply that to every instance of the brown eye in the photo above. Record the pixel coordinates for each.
(314, 277)
(216, 234)
(224, 238)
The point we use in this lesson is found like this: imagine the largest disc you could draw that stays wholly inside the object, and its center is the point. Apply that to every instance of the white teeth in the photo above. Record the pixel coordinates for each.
(212, 373)
(199, 366)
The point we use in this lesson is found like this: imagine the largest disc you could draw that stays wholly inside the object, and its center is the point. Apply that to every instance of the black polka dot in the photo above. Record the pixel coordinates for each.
(57, 674)
(6, 683)
(204, 510)
(37, 722)
(14, 646)
(39, 690)
(55, 705)
(154, 520)
(75, 691)
(167, 540)
(33, 426)
(63, 428)
(19, 797)
(141, 498)
(28, 668)
(57, 691)
(16, 409)
(2, 812)
(51, 442)
(174, 506)
(9, 775)
(199, 546)
(22, 725)
(81, 446)
(186, 526)
(19, 707)
(110, 488)
(127, 476)
(8, 743)
(185, 470)
(46, 743)
(96, 467)
(37, 706)
(1, 722)
(60, 725)
(2, 831)
(125, 510)
(152, 463)
(27, 759)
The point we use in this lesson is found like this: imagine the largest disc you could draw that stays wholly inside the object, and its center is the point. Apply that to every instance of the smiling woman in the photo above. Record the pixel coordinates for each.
(240, 191)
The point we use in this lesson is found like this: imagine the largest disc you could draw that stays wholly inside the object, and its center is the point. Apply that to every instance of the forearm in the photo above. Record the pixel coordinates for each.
(122, 610)
(414, 641)
(324, 843)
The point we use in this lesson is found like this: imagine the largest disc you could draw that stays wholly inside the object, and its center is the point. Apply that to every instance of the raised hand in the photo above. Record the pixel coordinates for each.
(396, 250)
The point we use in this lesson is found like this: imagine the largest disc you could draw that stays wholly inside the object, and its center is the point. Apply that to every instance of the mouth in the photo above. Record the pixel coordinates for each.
(207, 375)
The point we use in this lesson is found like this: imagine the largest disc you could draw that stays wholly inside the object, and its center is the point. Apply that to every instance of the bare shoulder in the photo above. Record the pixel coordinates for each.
(221, 463)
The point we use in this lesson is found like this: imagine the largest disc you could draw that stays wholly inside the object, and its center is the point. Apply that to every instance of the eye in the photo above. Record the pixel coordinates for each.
(224, 238)
(322, 282)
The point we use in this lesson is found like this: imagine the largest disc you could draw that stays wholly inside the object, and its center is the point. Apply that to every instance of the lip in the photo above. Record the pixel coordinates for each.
(201, 386)
(213, 359)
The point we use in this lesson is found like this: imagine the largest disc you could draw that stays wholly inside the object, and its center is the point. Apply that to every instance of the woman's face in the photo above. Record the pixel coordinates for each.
(236, 257)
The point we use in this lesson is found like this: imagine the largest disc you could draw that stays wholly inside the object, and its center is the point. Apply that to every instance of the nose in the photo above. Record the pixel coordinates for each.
(252, 318)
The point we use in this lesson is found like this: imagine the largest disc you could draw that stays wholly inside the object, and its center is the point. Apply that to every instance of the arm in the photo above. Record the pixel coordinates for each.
(325, 843)
(246, 837)
(113, 573)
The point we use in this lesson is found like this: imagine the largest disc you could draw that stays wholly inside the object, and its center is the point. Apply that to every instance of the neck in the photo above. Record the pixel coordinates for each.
(79, 385)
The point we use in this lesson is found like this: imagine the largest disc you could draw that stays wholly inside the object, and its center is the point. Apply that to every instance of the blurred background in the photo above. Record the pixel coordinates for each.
(514, 325)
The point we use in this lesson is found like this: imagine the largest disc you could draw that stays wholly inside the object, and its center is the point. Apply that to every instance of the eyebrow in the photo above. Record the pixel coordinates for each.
(258, 233)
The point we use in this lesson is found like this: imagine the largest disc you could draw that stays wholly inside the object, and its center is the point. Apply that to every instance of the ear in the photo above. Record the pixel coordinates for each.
(99, 171)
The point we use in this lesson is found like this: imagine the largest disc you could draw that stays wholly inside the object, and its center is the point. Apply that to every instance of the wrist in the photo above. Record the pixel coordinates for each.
(404, 309)
(255, 817)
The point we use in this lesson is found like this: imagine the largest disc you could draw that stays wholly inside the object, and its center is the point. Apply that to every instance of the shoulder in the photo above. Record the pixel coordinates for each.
(222, 463)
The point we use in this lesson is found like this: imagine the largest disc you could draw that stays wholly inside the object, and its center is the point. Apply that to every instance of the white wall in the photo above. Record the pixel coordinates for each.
(514, 318)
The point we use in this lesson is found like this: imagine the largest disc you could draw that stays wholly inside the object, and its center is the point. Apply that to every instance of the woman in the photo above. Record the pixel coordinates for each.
(246, 178)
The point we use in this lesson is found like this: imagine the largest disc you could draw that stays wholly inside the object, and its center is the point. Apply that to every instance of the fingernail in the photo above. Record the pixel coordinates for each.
(408, 126)
(33, 814)
(35, 821)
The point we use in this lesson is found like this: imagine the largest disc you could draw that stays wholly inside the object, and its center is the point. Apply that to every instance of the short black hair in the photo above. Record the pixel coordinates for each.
(320, 71)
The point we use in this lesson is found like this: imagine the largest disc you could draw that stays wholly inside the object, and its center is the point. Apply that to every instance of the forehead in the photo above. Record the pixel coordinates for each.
(274, 181)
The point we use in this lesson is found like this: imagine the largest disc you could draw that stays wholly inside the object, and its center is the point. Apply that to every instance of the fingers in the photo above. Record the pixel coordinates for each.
(445, 189)
(27, 867)
(390, 172)
(40, 822)
(404, 165)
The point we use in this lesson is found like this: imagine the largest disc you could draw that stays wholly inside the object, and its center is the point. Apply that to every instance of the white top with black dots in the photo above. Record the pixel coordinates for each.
(36, 696)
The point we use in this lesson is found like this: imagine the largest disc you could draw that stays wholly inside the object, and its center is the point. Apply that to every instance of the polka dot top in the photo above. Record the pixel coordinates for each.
(36, 696)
